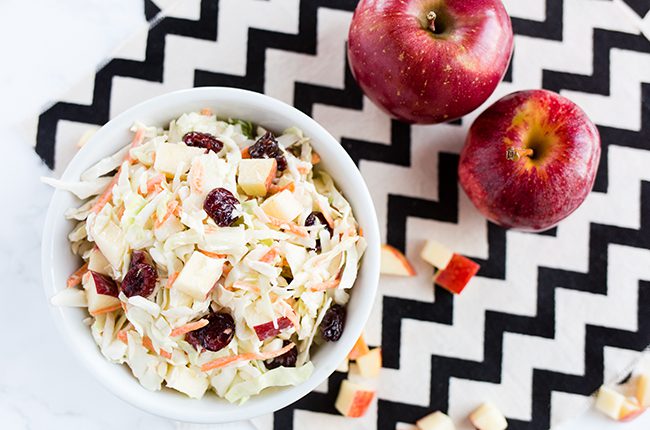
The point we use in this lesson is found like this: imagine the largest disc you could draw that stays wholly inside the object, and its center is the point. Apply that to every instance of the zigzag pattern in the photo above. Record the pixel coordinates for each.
(581, 264)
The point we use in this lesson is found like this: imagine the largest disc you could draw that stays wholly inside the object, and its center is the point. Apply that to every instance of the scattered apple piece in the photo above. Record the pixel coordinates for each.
(370, 363)
(609, 402)
(353, 400)
(435, 421)
(488, 417)
(457, 274)
(360, 348)
(436, 254)
(256, 175)
(643, 390)
(282, 206)
(630, 409)
(393, 262)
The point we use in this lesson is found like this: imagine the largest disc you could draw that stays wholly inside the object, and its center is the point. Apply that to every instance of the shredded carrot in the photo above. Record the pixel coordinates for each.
(120, 212)
(326, 285)
(291, 314)
(246, 286)
(315, 158)
(225, 361)
(226, 269)
(294, 228)
(106, 195)
(123, 305)
(303, 170)
(106, 310)
(274, 189)
(270, 255)
(108, 192)
(171, 279)
(75, 278)
(326, 213)
(198, 175)
(179, 331)
(245, 153)
(122, 335)
(360, 232)
(206, 111)
(146, 342)
(212, 254)
(171, 208)
(154, 182)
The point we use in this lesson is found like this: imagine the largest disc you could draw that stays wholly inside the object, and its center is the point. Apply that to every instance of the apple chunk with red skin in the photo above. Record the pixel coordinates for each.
(530, 160)
(429, 61)
(267, 329)
(458, 272)
(101, 291)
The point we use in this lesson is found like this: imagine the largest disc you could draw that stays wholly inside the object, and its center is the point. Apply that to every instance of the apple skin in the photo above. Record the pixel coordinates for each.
(531, 192)
(418, 76)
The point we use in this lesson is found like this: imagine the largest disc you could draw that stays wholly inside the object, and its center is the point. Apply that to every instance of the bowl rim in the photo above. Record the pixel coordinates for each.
(265, 402)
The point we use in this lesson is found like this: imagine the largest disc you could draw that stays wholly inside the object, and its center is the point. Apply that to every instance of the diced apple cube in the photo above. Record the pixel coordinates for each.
(370, 363)
(630, 409)
(97, 262)
(295, 255)
(435, 421)
(111, 243)
(170, 155)
(199, 275)
(256, 175)
(436, 254)
(360, 348)
(344, 366)
(643, 390)
(101, 292)
(353, 400)
(393, 262)
(609, 402)
(457, 274)
(282, 205)
(267, 329)
(187, 381)
(488, 417)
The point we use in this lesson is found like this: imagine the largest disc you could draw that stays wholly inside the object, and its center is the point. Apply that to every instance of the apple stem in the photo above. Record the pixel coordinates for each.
(431, 16)
(514, 154)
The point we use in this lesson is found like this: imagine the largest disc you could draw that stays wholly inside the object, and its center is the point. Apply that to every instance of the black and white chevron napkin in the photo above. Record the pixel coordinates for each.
(550, 316)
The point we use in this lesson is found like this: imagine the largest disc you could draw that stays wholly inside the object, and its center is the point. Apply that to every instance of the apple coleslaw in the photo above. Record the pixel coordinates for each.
(216, 255)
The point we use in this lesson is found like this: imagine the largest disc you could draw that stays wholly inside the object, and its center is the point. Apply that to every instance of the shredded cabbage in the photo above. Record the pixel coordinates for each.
(264, 269)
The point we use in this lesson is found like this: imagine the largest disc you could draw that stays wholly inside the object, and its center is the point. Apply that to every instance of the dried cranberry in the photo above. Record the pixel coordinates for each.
(220, 205)
(214, 336)
(318, 218)
(140, 280)
(203, 140)
(267, 147)
(288, 359)
(138, 257)
(331, 328)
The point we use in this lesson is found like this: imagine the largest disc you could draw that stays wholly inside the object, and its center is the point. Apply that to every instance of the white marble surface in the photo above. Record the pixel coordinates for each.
(46, 47)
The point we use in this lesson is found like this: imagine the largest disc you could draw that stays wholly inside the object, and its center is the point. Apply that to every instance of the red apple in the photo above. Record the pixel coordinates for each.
(530, 160)
(429, 61)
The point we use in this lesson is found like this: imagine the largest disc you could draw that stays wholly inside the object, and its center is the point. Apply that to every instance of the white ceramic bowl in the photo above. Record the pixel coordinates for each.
(58, 261)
